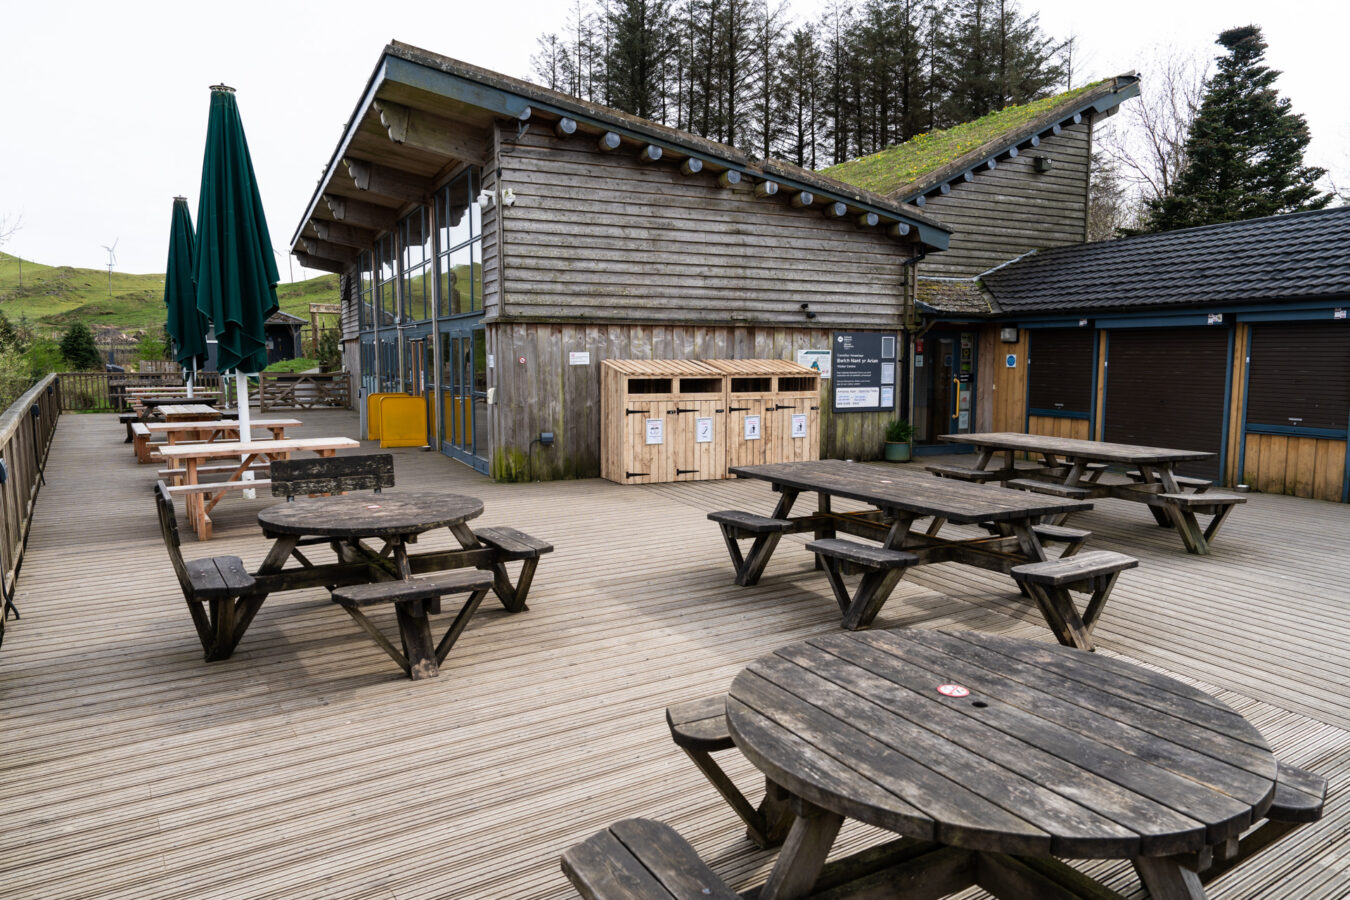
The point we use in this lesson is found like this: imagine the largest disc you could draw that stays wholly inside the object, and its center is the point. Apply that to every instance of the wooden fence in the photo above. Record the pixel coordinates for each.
(296, 391)
(25, 438)
(103, 391)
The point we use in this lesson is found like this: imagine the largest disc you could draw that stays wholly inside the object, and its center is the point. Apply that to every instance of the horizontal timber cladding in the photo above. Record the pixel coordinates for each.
(602, 237)
(547, 393)
(491, 256)
(1299, 375)
(1003, 213)
(1165, 387)
(1060, 366)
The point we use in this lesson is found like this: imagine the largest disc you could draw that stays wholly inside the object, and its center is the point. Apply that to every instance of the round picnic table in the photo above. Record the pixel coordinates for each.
(999, 746)
(355, 516)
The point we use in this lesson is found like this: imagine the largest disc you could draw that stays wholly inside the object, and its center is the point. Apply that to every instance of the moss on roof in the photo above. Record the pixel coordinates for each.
(902, 164)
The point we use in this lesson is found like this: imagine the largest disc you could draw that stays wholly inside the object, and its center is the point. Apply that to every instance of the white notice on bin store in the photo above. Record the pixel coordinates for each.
(656, 431)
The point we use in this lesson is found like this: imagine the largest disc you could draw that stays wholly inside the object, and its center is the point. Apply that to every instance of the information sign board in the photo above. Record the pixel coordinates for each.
(864, 371)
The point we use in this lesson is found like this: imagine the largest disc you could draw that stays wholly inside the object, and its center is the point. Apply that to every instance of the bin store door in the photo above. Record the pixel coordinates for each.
(647, 457)
(747, 442)
(696, 434)
(793, 429)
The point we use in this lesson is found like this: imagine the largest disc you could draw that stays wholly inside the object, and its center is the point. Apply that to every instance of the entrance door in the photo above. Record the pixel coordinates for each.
(464, 395)
(421, 378)
(944, 385)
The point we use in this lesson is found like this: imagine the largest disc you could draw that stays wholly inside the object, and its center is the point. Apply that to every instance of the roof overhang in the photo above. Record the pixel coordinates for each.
(370, 183)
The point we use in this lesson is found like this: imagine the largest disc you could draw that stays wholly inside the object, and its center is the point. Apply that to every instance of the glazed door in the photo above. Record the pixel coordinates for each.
(464, 395)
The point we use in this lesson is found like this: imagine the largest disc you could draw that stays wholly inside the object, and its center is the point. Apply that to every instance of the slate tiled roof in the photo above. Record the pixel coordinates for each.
(953, 296)
(1299, 256)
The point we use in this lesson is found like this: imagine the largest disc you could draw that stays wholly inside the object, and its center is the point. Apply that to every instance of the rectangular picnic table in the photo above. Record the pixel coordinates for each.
(1068, 470)
(899, 497)
(205, 431)
(201, 497)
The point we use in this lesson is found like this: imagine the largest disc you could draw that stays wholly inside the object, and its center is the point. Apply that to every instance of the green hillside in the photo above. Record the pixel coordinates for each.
(56, 296)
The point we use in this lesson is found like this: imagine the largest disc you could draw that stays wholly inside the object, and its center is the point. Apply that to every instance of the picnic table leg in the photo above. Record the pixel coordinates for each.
(764, 545)
(1167, 879)
(1148, 476)
(1056, 605)
(803, 855)
(826, 528)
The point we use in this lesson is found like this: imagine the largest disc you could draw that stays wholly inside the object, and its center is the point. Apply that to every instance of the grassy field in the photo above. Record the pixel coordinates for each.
(56, 296)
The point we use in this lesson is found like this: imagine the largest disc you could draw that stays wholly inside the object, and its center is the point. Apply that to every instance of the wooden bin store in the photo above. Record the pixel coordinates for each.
(685, 420)
(773, 410)
(662, 420)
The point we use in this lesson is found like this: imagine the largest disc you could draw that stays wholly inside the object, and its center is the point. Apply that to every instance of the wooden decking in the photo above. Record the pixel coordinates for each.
(308, 766)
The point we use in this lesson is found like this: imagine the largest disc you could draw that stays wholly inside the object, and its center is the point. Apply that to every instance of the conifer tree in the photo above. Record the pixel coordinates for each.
(638, 46)
(79, 350)
(1244, 152)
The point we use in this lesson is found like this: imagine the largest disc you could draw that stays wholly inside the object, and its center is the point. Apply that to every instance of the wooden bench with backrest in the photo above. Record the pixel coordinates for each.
(881, 569)
(1049, 583)
(220, 581)
(332, 475)
(414, 600)
(699, 728)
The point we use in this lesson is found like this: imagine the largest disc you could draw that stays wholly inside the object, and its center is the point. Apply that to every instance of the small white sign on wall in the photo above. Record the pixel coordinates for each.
(579, 358)
(492, 361)
(703, 431)
(799, 426)
(752, 428)
(656, 431)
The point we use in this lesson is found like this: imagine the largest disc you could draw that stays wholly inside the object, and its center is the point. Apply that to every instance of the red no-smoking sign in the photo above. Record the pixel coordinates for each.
(953, 690)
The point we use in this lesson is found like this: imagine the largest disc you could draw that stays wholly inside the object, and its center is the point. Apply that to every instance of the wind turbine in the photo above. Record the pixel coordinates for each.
(112, 261)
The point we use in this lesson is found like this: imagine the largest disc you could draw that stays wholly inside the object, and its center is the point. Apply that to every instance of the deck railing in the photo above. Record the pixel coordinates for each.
(26, 430)
(104, 391)
(277, 390)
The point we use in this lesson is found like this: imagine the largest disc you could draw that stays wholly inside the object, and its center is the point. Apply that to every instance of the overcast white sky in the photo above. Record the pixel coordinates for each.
(105, 103)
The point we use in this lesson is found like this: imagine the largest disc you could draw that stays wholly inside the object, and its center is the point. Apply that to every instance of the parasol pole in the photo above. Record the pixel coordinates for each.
(192, 378)
(245, 430)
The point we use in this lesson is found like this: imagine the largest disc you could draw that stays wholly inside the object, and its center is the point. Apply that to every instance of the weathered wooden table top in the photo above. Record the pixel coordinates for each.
(911, 491)
(188, 408)
(287, 445)
(1052, 752)
(221, 424)
(370, 515)
(1100, 451)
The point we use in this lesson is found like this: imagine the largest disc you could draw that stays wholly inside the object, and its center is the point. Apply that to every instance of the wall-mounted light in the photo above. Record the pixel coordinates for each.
(485, 200)
(806, 308)
(1044, 163)
(1008, 335)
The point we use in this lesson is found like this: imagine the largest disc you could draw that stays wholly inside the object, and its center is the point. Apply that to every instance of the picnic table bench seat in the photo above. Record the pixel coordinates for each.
(746, 523)
(1049, 583)
(513, 545)
(1300, 797)
(766, 530)
(210, 487)
(1199, 485)
(1070, 491)
(223, 469)
(641, 858)
(1073, 538)
(699, 728)
(414, 599)
(881, 569)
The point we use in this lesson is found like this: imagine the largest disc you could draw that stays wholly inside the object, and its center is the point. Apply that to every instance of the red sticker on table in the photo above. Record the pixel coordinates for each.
(522, 360)
(953, 690)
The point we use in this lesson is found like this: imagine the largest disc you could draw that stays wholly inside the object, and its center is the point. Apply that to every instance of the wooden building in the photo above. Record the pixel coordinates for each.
(1012, 182)
(498, 240)
(1233, 338)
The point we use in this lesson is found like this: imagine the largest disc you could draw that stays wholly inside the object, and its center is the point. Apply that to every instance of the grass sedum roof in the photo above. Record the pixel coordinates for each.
(902, 164)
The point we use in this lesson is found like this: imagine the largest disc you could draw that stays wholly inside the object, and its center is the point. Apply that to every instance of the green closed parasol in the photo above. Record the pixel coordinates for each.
(235, 272)
(186, 326)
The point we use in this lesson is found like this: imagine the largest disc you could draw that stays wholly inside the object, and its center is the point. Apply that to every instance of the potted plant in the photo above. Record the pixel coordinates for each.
(899, 433)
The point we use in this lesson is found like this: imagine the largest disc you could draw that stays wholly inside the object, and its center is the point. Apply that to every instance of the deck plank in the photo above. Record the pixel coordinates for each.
(306, 766)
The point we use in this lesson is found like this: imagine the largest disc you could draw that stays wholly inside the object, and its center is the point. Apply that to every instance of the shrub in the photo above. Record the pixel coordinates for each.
(899, 431)
(77, 346)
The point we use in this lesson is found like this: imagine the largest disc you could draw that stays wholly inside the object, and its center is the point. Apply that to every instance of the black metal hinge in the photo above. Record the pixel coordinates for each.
(677, 411)
(635, 474)
(738, 409)
(685, 471)
(636, 412)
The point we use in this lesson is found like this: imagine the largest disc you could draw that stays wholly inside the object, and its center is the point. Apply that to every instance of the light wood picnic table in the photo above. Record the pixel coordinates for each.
(208, 431)
(899, 497)
(993, 755)
(1068, 470)
(201, 498)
